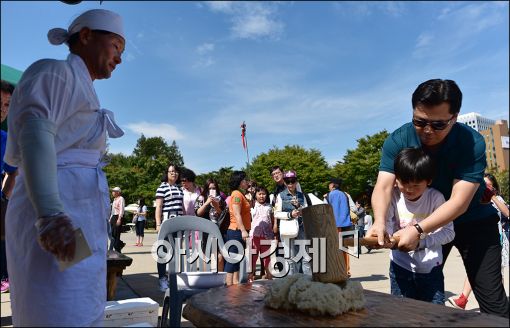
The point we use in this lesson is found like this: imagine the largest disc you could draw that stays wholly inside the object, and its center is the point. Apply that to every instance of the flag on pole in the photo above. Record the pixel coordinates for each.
(243, 134)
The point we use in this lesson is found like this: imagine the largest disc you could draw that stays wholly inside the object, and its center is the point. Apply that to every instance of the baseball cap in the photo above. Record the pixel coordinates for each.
(116, 189)
(289, 175)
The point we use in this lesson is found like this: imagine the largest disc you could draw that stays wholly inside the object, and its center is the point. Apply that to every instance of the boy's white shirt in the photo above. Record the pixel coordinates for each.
(403, 212)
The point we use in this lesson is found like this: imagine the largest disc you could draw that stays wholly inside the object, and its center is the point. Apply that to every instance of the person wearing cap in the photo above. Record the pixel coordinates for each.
(57, 138)
(116, 216)
(288, 206)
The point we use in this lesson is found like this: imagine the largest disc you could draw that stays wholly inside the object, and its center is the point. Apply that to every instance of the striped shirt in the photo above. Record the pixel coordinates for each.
(172, 196)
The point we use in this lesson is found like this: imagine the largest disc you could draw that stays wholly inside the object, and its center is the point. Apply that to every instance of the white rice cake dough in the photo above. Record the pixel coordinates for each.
(299, 292)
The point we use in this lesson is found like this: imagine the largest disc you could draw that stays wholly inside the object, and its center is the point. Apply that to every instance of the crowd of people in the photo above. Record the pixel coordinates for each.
(430, 194)
(253, 212)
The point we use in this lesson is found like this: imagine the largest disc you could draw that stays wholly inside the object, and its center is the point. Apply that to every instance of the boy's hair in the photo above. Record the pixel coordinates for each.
(413, 165)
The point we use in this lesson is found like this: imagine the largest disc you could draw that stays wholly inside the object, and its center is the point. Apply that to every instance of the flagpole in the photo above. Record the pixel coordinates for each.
(247, 156)
(245, 143)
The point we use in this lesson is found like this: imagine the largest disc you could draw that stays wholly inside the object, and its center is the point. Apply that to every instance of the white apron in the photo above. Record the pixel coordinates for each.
(34, 273)
(41, 295)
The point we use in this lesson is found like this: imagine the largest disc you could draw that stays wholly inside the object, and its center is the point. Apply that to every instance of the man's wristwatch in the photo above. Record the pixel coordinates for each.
(422, 233)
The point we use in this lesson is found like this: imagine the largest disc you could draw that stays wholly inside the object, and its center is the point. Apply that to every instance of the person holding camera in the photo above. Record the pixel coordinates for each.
(209, 206)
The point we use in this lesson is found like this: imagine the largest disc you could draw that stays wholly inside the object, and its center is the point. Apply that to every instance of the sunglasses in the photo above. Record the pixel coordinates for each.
(435, 125)
(290, 181)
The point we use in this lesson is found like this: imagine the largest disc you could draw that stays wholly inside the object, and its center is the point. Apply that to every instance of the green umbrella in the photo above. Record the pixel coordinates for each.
(12, 76)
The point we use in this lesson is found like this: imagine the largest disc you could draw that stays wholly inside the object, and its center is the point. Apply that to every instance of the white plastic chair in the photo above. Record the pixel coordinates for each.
(186, 279)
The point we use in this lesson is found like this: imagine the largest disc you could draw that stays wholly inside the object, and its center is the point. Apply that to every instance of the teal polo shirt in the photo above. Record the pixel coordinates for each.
(461, 156)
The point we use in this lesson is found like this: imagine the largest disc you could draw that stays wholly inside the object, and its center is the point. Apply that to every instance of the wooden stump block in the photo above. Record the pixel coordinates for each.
(319, 222)
(115, 263)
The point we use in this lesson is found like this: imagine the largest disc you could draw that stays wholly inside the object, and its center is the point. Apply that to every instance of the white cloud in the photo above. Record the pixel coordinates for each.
(255, 26)
(250, 20)
(128, 57)
(368, 8)
(167, 131)
(205, 48)
(204, 62)
(465, 22)
(393, 8)
(424, 40)
(225, 7)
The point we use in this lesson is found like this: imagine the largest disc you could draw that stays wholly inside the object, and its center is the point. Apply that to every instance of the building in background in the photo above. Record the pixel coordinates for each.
(496, 141)
(476, 121)
(495, 133)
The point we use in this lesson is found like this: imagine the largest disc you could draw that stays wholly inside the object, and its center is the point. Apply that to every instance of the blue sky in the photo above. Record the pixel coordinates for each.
(316, 74)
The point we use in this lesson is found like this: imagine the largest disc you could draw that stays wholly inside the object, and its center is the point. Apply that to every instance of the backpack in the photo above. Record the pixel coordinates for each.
(224, 220)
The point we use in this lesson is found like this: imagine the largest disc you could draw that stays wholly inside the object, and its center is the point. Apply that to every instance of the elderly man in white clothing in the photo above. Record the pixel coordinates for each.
(57, 138)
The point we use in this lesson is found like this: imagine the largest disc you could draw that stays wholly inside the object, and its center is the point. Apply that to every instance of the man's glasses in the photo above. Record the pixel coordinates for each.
(290, 181)
(435, 125)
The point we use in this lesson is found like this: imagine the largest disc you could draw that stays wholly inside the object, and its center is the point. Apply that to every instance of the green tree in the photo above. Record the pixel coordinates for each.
(222, 176)
(502, 178)
(310, 166)
(139, 175)
(360, 166)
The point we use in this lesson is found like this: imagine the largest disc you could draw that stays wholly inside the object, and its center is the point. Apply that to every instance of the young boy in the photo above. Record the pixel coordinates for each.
(417, 274)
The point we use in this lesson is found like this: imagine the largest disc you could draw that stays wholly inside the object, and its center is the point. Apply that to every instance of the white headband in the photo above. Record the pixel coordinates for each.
(95, 19)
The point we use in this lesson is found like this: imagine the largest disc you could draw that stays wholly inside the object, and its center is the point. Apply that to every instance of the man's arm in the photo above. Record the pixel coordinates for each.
(462, 194)
(381, 198)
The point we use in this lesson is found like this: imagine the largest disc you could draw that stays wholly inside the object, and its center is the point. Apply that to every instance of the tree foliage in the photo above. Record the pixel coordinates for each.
(311, 167)
(139, 174)
(502, 178)
(360, 166)
(222, 176)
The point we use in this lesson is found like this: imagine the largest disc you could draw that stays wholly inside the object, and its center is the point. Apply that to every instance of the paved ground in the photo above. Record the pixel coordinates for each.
(141, 280)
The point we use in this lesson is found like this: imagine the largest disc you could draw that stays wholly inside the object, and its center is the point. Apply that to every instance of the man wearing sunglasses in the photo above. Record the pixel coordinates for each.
(460, 153)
